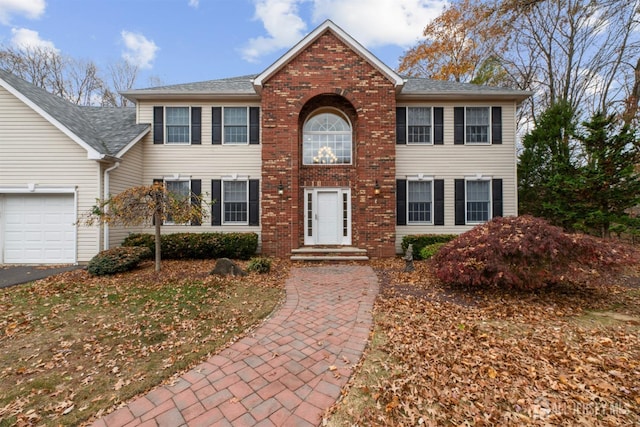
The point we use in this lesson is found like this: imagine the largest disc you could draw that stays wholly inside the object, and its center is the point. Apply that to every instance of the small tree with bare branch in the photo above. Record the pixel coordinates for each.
(149, 204)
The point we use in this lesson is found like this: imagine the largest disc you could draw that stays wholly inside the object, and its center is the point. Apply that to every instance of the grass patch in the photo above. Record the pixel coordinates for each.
(73, 346)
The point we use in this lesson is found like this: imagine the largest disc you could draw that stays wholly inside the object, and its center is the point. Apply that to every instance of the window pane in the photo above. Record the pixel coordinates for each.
(419, 120)
(177, 124)
(477, 124)
(419, 201)
(326, 140)
(180, 190)
(235, 125)
(235, 201)
(478, 201)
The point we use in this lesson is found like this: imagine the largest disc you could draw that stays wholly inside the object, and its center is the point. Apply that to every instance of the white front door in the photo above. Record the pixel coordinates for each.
(327, 216)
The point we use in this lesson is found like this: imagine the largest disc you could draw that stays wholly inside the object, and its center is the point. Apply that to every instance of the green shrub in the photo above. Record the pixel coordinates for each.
(430, 250)
(419, 241)
(140, 239)
(199, 245)
(260, 265)
(117, 260)
(524, 253)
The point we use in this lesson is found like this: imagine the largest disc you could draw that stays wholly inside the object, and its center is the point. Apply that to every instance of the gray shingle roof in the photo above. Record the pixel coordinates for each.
(243, 85)
(106, 130)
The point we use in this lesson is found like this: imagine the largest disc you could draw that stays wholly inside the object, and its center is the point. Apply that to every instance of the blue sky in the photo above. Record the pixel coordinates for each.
(179, 41)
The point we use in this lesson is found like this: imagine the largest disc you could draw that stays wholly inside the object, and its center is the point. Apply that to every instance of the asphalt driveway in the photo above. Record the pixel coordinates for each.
(15, 275)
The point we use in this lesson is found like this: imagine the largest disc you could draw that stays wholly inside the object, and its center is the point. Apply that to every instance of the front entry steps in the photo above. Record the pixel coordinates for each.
(329, 253)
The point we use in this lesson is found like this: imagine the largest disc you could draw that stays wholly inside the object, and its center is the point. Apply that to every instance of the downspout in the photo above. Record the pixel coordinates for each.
(105, 229)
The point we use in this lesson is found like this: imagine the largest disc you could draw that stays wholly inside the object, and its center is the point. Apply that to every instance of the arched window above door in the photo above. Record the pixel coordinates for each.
(326, 139)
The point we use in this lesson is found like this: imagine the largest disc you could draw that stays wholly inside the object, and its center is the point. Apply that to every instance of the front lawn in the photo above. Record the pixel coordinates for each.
(74, 346)
(442, 356)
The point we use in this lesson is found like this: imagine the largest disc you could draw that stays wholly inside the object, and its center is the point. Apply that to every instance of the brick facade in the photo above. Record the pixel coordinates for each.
(328, 73)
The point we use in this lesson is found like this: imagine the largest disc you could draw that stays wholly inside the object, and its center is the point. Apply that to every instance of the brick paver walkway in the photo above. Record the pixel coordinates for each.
(286, 373)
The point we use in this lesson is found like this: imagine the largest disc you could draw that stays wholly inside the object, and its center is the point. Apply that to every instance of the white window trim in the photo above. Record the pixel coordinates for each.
(234, 179)
(248, 124)
(465, 126)
(478, 178)
(166, 133)
(431, 132)
(421, 178)
(337, 112)
(176, 178)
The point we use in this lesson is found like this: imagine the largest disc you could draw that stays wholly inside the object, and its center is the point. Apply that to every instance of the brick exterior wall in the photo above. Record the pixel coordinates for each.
(328, 74)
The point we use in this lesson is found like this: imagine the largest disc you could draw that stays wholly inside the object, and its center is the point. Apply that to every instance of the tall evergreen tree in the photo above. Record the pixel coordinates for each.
(546, 169)
(610, 183)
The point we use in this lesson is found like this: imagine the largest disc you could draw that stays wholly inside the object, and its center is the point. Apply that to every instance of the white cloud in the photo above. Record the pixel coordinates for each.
(194, 3)
(371, 22)
(23, 38)
(380, 22)
(139, 51)
(284, 26)
(31, 9)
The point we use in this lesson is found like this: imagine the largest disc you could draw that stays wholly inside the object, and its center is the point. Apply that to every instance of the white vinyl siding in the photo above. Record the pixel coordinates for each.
(128, 174)
(205, 162)
(33, 151)
(450, 162)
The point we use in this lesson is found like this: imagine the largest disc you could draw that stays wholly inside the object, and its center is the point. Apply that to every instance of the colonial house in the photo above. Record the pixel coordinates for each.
(326, 148)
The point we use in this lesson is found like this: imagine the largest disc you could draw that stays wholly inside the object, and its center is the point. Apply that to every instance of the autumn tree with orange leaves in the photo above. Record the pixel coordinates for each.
(144, 205)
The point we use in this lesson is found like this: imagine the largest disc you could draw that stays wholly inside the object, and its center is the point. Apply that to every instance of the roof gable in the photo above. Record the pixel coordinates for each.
(100, 131)
(327, 25)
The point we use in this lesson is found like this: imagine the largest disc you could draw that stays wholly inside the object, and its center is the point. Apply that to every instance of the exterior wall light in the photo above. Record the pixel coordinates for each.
(280, 189)
(376, 188)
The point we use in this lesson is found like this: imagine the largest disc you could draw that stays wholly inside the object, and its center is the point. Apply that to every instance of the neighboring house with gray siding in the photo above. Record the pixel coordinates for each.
(327, 148)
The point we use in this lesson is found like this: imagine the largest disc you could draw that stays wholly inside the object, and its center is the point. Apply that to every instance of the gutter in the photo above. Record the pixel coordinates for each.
(105, 229)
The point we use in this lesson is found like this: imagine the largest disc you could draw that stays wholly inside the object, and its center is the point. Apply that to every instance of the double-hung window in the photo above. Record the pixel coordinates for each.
(236, 125)
(478, 201)
(419, 127)
(235, 200)
(419, 202)
(179, 192)
(477, 125)
(177, 124)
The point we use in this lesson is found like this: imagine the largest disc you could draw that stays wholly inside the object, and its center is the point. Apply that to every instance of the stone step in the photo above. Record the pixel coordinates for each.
(329, 253)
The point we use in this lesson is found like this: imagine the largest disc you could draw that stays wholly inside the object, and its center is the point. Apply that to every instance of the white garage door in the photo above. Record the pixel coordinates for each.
(38, 229)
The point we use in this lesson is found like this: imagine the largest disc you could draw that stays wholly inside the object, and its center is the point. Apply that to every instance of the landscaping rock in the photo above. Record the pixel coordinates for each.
(226, 267)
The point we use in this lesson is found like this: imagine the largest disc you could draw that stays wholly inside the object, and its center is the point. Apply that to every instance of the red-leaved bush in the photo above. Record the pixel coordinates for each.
(525, 253)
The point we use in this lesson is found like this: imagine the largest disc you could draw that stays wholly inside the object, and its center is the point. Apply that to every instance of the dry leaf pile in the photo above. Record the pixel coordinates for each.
(74, 346)
(561, 356)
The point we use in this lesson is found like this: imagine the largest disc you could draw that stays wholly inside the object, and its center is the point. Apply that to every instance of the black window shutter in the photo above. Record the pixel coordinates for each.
(156, 181)
(196, 125)
(458, 125)
(216, 199)
(196, 192)
(254, 202)
(158, 125)
(496, 197)
(460, 211)
(401, 202)
(216, 125)
(401, 125)
(254, 125)
(496, 125)
(438, 201)
(438, 125)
